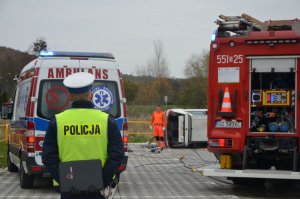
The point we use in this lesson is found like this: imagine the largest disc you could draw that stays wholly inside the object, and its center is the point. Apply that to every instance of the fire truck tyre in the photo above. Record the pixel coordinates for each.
(26, 181)
(11, 167)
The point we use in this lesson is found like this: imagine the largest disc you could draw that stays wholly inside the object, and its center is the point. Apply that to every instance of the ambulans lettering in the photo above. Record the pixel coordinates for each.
(61, 73)
(81, 129)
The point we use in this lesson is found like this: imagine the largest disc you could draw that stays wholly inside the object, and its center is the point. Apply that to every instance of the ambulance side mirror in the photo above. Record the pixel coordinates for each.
(6, 111)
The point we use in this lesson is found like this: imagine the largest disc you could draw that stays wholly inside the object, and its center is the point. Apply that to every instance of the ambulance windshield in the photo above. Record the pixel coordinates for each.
(54, 98)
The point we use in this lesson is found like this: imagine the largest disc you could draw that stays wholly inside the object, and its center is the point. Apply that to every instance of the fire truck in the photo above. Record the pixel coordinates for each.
(254, 99)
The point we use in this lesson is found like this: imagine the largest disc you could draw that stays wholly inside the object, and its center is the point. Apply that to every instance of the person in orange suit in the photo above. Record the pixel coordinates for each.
(158, 124)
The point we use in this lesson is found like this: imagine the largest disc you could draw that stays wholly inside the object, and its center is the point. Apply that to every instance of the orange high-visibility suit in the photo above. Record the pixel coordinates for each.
(158, 121)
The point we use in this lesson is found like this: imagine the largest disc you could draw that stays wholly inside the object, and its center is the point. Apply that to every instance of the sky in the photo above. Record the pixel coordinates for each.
(128, 28)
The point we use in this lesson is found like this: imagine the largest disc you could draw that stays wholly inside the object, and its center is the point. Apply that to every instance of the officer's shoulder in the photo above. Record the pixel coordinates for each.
(111, 119)
(53, 120)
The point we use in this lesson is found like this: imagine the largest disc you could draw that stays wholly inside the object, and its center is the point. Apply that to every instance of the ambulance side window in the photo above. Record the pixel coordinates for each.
(21, 100)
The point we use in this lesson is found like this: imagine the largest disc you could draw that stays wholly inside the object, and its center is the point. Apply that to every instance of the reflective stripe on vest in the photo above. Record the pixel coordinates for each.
(82, 135)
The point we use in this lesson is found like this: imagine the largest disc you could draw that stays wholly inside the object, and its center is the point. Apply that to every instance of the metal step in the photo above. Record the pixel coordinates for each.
(216, 171)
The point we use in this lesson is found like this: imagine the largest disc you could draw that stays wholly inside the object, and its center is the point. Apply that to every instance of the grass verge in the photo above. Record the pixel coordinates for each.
(3, 154)
(139, 112)
(139, 138)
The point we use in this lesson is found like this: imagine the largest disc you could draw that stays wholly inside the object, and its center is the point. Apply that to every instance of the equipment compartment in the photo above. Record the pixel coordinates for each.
(272, 102)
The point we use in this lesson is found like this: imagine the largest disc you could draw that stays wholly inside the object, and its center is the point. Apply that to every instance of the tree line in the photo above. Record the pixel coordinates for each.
(152, 83)
(11, 63)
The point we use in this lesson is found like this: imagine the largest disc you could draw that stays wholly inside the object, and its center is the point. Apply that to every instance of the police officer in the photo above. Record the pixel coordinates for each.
(106, 145)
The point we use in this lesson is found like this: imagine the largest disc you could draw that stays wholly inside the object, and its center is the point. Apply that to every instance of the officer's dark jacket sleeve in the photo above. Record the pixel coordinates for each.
(50, 156)
(115, 151)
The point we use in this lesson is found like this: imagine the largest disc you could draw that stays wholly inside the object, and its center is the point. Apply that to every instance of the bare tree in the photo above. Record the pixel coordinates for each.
(158, 65)
(156, 74)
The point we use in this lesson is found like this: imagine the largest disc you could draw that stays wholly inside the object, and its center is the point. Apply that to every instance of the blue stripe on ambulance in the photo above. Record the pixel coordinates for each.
(41, 124)
(120, 122)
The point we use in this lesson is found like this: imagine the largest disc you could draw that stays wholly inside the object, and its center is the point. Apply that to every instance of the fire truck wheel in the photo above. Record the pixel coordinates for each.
(11, 167)
(26, 181)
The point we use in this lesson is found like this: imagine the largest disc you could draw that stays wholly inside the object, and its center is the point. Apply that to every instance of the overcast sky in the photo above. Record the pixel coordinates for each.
(127, 28)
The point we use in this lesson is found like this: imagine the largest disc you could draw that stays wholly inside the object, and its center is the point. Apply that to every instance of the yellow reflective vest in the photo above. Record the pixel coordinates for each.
(82, 135)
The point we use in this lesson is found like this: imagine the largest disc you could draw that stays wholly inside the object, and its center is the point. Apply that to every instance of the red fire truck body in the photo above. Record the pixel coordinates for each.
(254, 94)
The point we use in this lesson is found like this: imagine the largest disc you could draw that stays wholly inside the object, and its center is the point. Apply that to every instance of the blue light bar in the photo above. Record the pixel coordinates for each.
(46, 53)
(213, 36)
(76, 54)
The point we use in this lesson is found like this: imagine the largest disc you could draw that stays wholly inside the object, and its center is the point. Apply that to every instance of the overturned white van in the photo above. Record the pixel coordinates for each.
(186, 128)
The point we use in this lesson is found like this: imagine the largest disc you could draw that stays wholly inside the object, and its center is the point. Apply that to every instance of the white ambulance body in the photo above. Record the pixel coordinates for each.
(40, 94)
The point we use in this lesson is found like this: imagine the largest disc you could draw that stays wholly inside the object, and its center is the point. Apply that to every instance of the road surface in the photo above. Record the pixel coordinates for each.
(165, 175)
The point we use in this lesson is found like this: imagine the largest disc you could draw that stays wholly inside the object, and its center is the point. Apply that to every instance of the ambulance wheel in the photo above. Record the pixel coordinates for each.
(11, 167)
(26, 181)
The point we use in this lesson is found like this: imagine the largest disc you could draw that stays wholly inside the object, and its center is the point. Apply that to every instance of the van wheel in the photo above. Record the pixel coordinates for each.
(26, 181)
(11, 167)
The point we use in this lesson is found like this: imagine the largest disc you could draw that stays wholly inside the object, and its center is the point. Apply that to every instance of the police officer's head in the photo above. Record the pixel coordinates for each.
(79, 86)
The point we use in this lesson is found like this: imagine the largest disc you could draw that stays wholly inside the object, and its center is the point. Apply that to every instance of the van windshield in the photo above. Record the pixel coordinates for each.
(54, 98)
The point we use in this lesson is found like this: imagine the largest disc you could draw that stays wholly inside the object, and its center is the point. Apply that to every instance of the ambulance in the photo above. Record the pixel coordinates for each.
(40, 94)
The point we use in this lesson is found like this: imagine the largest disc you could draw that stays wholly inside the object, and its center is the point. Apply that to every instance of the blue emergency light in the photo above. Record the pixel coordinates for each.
(213, 36)
(46, 53)
(75, 54)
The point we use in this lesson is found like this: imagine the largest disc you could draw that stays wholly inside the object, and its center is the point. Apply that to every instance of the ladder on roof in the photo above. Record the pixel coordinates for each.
(239, 24)
(245, 23)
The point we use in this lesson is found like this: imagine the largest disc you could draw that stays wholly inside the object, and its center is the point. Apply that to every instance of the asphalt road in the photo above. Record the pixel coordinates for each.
(164, 175)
